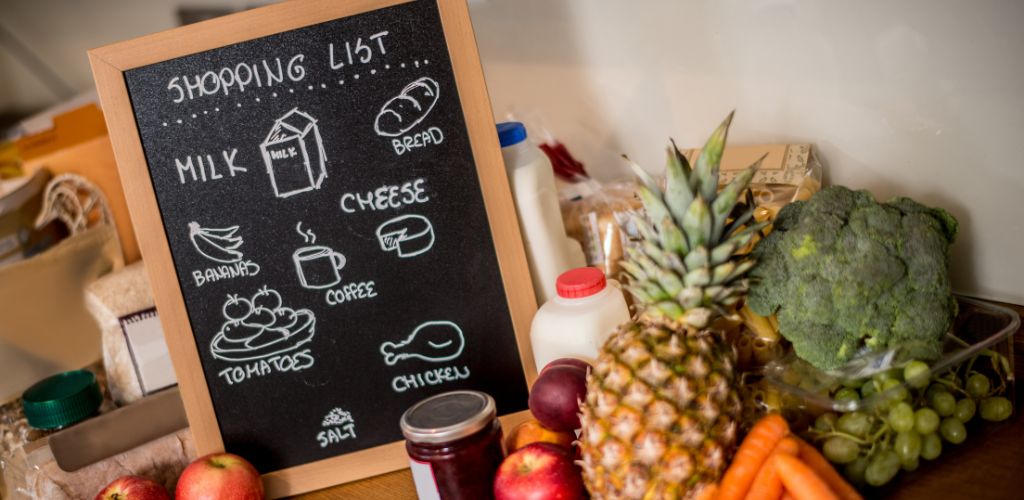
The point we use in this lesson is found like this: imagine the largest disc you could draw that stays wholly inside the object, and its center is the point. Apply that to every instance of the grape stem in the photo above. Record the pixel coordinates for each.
(952, 385)
(822, 435)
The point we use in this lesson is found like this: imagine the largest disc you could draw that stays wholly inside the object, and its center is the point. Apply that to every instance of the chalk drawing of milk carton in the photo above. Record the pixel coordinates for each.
(294, 154)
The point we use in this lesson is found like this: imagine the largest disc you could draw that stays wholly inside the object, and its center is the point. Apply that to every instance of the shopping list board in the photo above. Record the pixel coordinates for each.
(324, 215)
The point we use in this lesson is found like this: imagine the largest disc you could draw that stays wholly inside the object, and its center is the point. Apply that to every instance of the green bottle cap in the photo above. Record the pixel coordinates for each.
(62, 400)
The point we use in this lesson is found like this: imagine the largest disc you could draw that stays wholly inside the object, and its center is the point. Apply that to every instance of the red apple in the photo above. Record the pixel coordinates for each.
(579, 363)
(539, 471)
(133, 488)
(532, 432)
(219, 476)
(554, 399)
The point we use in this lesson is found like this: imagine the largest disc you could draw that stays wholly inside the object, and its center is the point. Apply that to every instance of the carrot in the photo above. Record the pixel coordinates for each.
(810, 456)
(787, 496)
(753, 453)
(800, 481)
(767, 485)
(709, 492)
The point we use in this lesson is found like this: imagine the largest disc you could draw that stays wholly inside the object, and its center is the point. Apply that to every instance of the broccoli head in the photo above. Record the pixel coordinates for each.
(843, 272)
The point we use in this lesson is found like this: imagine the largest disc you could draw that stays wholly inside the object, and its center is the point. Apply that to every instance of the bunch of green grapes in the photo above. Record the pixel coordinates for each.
(904, 425)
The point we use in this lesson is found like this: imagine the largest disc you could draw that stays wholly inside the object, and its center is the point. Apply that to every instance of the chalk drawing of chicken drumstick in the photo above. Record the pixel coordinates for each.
(434, 341)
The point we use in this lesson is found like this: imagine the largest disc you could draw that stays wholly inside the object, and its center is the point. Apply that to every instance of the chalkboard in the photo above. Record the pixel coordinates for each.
(323, 212)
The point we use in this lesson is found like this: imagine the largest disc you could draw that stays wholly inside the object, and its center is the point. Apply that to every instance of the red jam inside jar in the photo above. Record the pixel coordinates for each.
(454, 445)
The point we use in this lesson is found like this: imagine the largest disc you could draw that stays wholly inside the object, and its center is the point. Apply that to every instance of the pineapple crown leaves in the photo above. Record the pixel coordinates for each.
(686, 268)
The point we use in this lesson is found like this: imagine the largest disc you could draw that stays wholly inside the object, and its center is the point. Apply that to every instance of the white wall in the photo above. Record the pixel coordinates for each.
(917, 98)
(923, 98)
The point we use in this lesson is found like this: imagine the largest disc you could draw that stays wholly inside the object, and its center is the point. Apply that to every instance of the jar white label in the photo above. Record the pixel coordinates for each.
(423, 476)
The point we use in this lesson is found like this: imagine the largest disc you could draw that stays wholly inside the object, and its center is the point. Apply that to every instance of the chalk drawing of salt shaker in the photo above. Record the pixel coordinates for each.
(294, 154)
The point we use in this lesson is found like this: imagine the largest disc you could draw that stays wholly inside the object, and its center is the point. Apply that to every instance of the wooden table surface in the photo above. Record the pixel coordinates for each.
(989, 465)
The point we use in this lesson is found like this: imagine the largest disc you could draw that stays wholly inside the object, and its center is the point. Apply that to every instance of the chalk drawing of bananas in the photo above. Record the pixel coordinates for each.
(216, 244)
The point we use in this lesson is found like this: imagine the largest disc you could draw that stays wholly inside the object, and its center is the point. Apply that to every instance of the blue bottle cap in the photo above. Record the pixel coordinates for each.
(510, 133)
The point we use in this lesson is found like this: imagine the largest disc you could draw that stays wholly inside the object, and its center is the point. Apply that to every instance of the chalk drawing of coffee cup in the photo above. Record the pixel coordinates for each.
(318, 266)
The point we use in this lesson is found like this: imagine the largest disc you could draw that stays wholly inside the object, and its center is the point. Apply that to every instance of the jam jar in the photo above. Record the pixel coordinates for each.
(454, 444)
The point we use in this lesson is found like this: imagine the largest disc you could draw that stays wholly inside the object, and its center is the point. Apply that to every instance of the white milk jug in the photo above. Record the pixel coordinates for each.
(549, 251)
(579, 319)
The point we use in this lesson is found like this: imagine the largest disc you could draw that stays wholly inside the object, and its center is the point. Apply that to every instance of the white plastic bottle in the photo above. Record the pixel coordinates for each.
(579, 319)
(548, 249)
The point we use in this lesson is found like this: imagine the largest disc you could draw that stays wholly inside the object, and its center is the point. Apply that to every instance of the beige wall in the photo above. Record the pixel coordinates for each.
(920, 98)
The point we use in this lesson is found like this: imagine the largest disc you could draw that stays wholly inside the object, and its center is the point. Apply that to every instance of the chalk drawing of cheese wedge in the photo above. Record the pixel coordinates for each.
(410, 235)
(406, 110)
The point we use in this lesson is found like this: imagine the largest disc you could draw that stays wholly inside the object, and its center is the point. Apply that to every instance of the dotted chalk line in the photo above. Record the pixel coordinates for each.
(255, 100)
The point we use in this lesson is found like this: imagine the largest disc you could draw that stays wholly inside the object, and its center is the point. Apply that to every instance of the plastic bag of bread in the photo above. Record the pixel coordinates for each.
(598, 217)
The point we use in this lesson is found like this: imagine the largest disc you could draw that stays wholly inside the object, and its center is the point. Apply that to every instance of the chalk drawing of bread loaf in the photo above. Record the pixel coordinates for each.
(406, 110)
(410, 235)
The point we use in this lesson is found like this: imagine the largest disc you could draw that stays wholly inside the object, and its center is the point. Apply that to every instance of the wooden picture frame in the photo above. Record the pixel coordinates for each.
(109, 64)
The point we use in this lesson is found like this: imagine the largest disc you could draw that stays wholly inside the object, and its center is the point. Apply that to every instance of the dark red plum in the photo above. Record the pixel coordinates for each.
(555, 397)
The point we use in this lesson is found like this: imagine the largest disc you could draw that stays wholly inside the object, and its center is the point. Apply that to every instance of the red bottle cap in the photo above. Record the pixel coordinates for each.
(580, 282)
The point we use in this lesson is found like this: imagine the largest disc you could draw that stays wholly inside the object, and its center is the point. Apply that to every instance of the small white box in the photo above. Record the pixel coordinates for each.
(145, 339)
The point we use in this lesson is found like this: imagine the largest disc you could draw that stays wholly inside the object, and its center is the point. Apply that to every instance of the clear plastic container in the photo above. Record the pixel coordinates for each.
(979, 325)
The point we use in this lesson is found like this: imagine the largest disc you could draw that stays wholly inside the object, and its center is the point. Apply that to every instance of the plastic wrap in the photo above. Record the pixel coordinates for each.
(149, 438)
(599, 220)
(35, 474)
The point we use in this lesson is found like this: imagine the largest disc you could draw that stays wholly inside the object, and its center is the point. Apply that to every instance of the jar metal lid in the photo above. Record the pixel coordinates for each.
(62, 400)
(448, 416)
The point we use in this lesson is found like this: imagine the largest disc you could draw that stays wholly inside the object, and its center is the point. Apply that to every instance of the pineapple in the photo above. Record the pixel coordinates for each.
(662, 408)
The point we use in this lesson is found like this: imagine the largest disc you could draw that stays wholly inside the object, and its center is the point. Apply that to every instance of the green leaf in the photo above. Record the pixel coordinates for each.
(645, 228)
(712, 293)
(710, 158)
(727, 198)
(633, 271)
(638, 257)
(681, 158)
(655, 253)
(670, 308)
(698, 277)
(640, 295)
(655, 292)
(656, 209)
(669, 282)
(697, 258)
(672, 239)
(739, 221)
(644, 177)
(690, 296)
(722, 272)
(741, 269)
(741, 237)
(678, 194)
(722, 252)
(675, 263)
(697, 222)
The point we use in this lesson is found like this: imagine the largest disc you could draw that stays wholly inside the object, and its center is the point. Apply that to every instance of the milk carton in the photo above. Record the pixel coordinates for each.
(294, 154)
